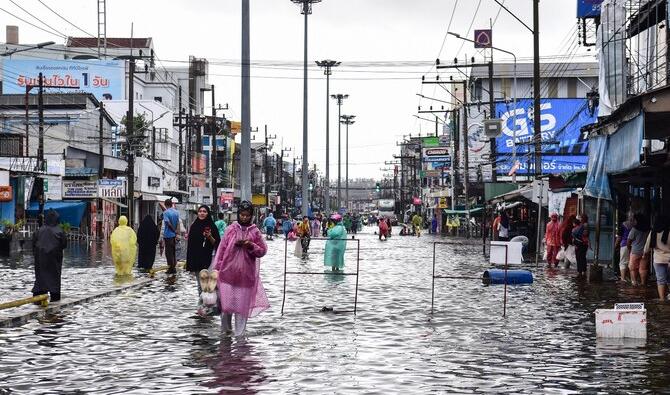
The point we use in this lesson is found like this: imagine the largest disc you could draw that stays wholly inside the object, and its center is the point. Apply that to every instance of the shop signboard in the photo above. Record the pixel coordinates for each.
(436, 154)
(102, 78)
(77, 189)
(111, 189)
(564, 147)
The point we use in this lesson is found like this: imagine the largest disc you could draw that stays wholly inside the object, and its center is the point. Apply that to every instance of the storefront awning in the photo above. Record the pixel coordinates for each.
(525, 192)
(612, 154)
(70, 211)
(462, 212)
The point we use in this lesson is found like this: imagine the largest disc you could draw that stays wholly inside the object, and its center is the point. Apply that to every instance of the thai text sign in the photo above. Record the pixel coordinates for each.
(103, 78)
(564, 148)
(77, 189)
(111, 189)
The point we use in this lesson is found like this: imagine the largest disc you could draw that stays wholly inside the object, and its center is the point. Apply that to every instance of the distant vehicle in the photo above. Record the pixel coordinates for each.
(386, 208)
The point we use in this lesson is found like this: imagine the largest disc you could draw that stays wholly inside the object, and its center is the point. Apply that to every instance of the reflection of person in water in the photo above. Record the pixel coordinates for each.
(235, 367)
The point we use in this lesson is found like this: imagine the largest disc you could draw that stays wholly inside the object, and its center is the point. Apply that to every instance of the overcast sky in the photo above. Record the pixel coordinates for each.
(382, 98)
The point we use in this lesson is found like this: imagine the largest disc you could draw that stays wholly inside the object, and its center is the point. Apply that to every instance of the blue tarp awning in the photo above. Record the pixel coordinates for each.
(612, 154)
(70, 211)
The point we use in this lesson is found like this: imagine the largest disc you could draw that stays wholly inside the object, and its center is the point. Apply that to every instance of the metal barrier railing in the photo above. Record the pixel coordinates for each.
(358, 262)
(43, 300)
(432, 297)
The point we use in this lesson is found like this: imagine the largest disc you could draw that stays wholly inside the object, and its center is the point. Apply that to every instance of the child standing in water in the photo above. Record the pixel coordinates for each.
(238, 262)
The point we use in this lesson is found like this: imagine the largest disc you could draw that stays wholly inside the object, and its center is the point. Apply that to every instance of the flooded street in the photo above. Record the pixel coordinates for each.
(150, 340)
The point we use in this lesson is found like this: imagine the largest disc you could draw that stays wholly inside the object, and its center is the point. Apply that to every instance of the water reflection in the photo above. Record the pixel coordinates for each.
(236, 369)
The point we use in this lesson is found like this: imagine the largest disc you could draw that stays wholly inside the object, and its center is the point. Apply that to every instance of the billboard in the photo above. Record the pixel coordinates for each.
(564, 148)
(103, 78)
(588, 8)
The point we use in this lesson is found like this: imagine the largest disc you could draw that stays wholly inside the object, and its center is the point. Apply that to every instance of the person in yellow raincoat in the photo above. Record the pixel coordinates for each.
(124, 247)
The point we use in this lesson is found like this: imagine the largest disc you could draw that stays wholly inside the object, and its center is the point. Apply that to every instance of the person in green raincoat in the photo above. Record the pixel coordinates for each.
(336, 245)
(124, 247)
(347, 223)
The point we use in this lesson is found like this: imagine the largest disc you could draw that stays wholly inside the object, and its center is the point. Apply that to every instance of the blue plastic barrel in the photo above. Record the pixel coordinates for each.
(497, 276)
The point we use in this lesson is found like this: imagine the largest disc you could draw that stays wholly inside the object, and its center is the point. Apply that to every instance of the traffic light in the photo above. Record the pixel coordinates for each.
(378, 187)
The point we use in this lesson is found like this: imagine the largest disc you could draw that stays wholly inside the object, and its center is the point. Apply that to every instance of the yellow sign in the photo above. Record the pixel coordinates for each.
(442, 203)
(258, 200)
(235, 127)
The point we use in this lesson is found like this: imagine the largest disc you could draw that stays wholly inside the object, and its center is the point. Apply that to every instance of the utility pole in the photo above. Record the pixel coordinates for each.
(466, 170)
(492, 114)
(182, 175)
(267, 167)
(245, 155)
(215, 158)
(130, 141)
(327, 65)
(101, 168)
(537, 131)
(306, 9)
(40, 149)
(340, 99)
(347, 120)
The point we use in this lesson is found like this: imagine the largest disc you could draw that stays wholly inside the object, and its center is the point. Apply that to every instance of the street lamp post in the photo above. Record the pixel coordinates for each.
(514, 99)
(347, 120)
(306, 9)
(340, 99)
(327, 65)
(245, 155)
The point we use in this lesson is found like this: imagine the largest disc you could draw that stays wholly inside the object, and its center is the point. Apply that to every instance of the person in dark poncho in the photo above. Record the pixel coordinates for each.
(147, 239)
(48, 246)
(203, 238)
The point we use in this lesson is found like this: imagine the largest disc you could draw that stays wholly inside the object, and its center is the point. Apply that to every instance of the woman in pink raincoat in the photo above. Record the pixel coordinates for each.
(238, 263)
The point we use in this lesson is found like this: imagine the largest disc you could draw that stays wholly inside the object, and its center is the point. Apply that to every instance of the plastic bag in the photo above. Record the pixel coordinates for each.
(545, 255)
(561, 254)
(298, 249)
(571, 254)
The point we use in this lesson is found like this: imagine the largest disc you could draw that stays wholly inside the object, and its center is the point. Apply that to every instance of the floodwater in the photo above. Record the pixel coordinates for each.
(149, 340)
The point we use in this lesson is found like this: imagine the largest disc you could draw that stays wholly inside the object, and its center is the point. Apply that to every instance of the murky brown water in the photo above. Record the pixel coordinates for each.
(149, 341)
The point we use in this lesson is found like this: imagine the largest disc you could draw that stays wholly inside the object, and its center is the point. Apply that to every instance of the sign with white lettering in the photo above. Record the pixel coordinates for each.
(77, 189)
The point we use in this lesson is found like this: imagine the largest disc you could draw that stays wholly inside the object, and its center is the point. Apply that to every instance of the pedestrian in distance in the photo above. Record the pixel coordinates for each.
(552, 240)
(416, 224)
(170, 230)
(220, 224)
(638, 265)
(494, 227)
(238, 261)
(580, 239)
(622, 243)
(316, 226)
(433, 224)
(304, 233)
(569, 255)
(287, 226)
(658, 242)
(124, 247)
(48, 245)
(147, 240)
(503, 227)
(383, 230)
(203, 238)
(269, 225)
(336, 245)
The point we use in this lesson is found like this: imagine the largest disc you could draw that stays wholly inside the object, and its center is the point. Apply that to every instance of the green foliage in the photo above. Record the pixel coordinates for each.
(140, 124)
(66, 227)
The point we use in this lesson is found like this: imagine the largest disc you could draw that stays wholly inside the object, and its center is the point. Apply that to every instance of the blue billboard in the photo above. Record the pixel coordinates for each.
(588, 8)
(103, 78)
(564, 148)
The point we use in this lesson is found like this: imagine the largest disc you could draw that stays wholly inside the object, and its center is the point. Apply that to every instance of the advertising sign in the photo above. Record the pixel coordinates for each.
(111, 189)
(588, 8)
(55, 191)
(6, 194)
(564, 148)
(437, 154)
(103, 78)
(76, 189)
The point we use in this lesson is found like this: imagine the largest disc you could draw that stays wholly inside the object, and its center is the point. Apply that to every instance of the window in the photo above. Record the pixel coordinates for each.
(572, 87)
(552, 87)
(476, 90)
